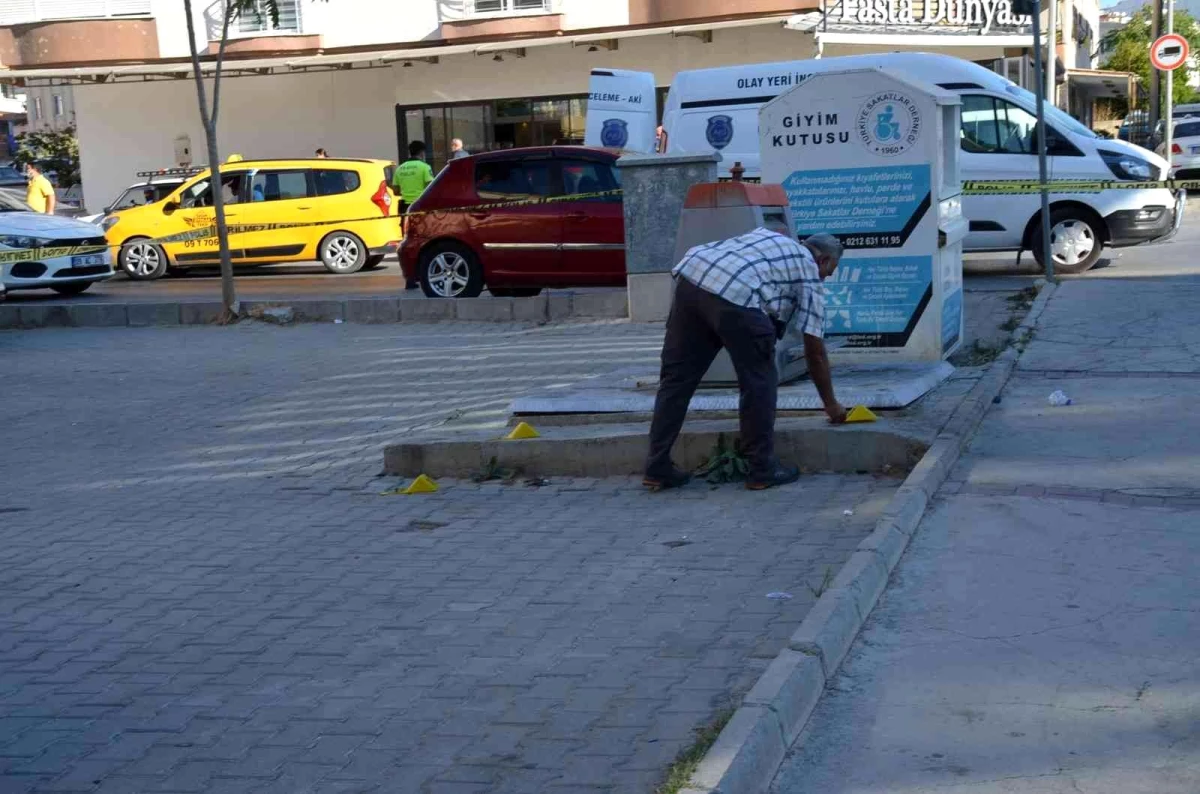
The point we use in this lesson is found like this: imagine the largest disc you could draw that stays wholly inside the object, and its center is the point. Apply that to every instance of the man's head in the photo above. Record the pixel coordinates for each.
(31, 170)
(827, 250)
(416, 150)
(456, 144)
(320, 154)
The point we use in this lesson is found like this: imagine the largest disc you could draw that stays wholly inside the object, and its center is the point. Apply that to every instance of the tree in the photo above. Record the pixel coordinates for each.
(51, 150)
(230, 11)
(1130, 52)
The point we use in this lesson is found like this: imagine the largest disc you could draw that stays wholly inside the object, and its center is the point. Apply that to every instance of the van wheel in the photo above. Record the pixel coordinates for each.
(450, 270)
(142, 260)
(1076, 240)
(343, 253)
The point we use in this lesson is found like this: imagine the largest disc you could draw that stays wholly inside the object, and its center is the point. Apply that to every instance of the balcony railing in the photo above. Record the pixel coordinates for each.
(468, 9)
(17, 12)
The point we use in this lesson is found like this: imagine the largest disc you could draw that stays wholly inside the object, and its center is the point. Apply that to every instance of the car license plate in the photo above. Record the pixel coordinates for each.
(1195, 150)
(86, 260)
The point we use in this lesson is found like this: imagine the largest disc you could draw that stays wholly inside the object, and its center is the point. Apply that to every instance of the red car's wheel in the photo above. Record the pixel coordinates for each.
(450, 270)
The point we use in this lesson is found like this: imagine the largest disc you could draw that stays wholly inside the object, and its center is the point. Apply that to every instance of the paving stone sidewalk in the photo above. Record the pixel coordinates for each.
(202, 589)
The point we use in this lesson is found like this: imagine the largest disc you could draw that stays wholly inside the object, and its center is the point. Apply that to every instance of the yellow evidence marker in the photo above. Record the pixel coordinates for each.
(522, 431)
(860, 413)
(422, 484)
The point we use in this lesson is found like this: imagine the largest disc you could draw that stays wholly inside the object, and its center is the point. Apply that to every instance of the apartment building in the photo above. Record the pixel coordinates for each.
(364, 77)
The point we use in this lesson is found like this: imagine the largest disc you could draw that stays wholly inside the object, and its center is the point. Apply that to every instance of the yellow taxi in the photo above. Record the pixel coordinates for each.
(338, 211)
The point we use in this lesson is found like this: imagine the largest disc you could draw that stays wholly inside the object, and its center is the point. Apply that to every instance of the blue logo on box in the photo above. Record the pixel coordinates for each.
(719, 132)
(614, 134)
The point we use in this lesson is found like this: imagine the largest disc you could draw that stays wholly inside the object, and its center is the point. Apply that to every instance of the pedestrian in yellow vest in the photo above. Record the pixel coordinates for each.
(410, 180)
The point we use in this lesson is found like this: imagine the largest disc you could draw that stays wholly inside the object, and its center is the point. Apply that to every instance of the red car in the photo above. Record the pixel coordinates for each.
(518, 250)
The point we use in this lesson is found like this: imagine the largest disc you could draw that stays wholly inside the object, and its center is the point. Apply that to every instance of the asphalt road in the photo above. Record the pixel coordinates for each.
(311, 280)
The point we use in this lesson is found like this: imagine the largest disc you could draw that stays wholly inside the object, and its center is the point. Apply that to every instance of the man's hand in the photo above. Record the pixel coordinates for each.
(836, 413)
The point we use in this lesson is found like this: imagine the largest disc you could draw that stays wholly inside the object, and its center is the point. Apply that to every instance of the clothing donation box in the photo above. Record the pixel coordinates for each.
(871, 157)
(716, 211)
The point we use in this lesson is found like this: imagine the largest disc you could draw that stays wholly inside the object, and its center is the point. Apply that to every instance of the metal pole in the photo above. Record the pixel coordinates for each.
(1156, 24)
(1052, 52)
(1047, 254)
(1170, 89)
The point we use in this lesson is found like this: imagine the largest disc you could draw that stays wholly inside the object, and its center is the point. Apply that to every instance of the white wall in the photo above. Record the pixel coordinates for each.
(125, 128)
(346, 23)
(594, 13)
(132, 127)
(548, 71)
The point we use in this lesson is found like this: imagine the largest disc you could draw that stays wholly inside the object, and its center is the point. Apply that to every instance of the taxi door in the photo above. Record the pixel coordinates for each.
(277, 196)
(195, 212)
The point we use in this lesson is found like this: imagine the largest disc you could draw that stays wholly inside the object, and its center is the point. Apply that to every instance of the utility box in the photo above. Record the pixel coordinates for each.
(871, 156)
(720, 210)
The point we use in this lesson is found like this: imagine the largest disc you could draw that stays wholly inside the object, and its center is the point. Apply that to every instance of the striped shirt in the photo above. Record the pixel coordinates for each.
(761, 270)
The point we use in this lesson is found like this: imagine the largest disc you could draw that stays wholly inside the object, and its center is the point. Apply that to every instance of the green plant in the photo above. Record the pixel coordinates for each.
(685, 764)
(726, 464)
(492, 470)
(1023, 299)
(50, 150)
(978, 354)
(1130, 48)
(826, 580)
(1011, 324)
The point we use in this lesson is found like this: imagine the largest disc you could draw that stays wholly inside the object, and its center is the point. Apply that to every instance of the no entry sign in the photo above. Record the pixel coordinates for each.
(1169, 52)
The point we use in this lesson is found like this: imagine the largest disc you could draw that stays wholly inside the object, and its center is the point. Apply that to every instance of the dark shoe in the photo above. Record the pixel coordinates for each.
(676, 479)
(780, 475)
(411, 285)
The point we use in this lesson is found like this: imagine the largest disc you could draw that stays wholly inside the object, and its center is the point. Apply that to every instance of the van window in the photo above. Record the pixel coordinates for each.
(509, 179)
(279, 185)
(331, 182)
(994, 126)
(589, 176)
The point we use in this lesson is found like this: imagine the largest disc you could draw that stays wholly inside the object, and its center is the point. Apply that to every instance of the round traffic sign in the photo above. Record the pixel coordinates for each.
(1169, 52)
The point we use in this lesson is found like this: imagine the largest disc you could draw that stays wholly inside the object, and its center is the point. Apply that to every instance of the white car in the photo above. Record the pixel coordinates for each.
(1185, 148)
(144, 192)
(69, 272)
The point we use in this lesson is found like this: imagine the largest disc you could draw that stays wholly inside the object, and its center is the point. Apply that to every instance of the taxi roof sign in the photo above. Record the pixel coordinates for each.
(1169, 52)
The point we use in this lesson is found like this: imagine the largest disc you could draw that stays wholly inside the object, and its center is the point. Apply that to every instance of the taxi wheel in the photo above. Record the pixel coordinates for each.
(373, 262)
(343, 253)
(74, 288)
(450, 270)
(142, 260)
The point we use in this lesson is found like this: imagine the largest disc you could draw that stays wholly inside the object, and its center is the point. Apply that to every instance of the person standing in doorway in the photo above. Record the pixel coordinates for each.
(456, 149)
(410, 180)
(39, 193)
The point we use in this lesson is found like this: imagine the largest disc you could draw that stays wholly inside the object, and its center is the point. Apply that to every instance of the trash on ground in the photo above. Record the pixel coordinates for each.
(338, 321)
(1059, 398)
(674, 544)
(847, 512)
(779, 595)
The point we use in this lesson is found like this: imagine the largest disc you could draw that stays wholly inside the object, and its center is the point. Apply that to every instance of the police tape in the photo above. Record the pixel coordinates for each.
(1019, 186)
(209, 230)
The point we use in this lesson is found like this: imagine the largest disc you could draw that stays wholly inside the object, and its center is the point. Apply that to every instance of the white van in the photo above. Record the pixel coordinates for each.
(717, 109)
(622, 110)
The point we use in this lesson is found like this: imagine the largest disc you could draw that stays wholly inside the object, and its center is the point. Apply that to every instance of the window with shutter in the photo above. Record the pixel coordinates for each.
(14, 12)
(258, 19)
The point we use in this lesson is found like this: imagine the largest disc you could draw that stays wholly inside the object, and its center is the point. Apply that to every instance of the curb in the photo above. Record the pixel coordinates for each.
(547, 307)
(751, 747)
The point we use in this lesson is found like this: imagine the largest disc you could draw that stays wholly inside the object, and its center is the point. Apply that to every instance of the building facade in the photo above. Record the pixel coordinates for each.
(364, 77)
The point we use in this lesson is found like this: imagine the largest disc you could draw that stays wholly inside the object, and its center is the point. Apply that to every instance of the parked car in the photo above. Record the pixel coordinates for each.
(340, 211)
(456, 244)
(11, 176)
(70, 273)
(1185, 148)
(151, 187)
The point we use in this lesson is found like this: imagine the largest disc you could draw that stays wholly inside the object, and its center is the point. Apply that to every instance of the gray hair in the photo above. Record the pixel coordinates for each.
(825, 245)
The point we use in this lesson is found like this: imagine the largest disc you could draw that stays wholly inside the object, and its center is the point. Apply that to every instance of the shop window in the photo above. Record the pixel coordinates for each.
(589, 176)
(58, 106)
(37, 108)
(508, 179)
(279, 185)
(330, 182)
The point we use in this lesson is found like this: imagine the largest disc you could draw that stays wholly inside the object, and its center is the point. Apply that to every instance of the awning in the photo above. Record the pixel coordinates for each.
(848, 38)
(1101, 84)
(179, 69)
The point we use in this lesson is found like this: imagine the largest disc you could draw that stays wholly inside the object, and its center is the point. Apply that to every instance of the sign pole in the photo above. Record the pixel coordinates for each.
(1170, 88)
(1051, 64)
(1038, 73)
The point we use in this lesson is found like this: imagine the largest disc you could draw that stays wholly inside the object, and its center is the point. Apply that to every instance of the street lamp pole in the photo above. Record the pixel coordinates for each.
(1047, 253)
